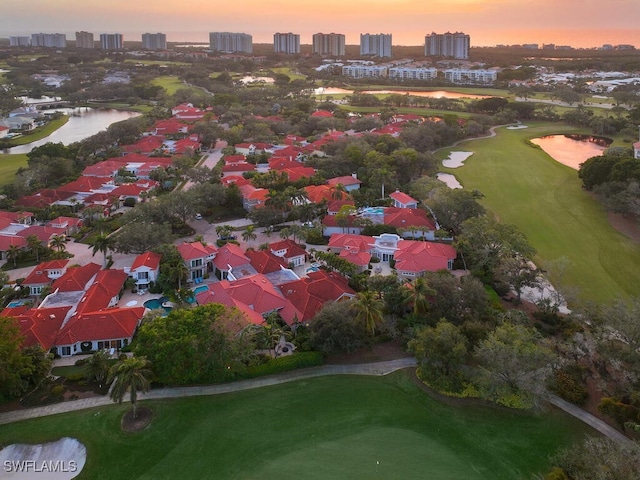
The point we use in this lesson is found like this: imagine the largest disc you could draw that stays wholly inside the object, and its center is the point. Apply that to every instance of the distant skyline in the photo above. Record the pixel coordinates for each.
(579, 23)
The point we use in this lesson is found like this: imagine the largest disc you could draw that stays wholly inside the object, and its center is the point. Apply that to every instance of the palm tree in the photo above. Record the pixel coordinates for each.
(369, 310)
(13, 253)
(177, 273)
(224, 230)
(35, 245)
(59, 242)
(131, 374)
(103, 244)
(418, 296)
(339, 192)
(97, 366)
(249, 234)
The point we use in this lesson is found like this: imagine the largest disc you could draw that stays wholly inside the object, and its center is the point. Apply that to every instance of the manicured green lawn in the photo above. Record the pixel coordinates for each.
(342, 427)
(9, 165)
(41, 132)
(427, 112)
(524, 186)
(171, 84)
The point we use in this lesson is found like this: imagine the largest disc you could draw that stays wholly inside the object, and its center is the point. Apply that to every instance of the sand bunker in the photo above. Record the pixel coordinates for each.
(61, 460)
(456, 159)
(517, 127)
(450, 180)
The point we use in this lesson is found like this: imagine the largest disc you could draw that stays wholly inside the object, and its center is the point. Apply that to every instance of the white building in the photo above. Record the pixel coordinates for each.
(53, 40)
(452, 45)
(378, 45)
(471, 77)
(84, 40)
(111, 41)
(229, 42)
(288, 43)
(332, 44)
(413, 73)
(364, 71)
(19, 41)
(154, 41)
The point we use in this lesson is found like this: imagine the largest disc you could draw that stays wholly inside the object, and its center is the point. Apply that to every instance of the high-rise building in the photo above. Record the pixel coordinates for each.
(84, 40)
(378, 45)
(19, 41)
(329, 44)
(228, 42)
(286, 43)
(111, 41)
(56, 40)
(451, 45)
(154, 41)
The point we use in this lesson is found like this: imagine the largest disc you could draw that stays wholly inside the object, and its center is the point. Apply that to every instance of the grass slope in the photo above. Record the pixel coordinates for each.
(9, 165)
(341, 427)
(172, 84)
(525, 186)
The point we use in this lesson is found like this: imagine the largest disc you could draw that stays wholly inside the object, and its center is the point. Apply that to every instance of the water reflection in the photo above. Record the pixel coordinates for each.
(83, 122)
(572, 149)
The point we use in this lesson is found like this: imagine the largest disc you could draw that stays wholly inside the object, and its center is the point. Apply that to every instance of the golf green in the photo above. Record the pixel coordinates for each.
(340, 427)
(523, 185)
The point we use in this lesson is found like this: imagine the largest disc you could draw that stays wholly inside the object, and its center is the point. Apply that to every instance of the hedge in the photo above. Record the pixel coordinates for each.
(285, 364)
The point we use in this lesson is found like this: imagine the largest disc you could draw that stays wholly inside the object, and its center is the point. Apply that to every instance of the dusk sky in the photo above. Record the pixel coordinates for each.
(580, 23)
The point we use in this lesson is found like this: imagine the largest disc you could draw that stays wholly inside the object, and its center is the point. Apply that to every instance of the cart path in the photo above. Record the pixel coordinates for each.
(373, 369)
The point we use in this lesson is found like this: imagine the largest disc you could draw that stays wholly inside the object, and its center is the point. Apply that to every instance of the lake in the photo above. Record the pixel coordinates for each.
(83, 122)
(572, 150)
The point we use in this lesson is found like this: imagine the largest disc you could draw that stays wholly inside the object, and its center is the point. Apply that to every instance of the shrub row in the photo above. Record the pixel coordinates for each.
(285, 364)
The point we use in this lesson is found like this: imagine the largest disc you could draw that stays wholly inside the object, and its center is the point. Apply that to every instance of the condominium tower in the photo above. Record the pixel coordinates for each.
(452, 45)
(228, 42)
(56, 40)
(111, 41)
(331, 44)
(378, 45)
(154, 41)
(19, 41)
(286, 43)
(84, 40)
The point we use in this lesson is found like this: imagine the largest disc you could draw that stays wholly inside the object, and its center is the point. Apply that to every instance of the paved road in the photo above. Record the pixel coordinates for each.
(374, 369)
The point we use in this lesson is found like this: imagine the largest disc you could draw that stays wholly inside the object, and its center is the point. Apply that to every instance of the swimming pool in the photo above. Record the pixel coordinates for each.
(15, 303)
(372, 211)
(156, 303)
(200, 289)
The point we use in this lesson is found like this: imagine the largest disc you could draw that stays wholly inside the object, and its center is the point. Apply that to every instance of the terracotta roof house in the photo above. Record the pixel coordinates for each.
(297, 173)
(188, 112)
(279, 163)
(106, 329)
(253, 197)
(24, 218)
(7, 241)
(180, 147)
(41, 326)
(250, 294)
(45, 198)
(414, 258)
(402, 200)
(44, 233)
(105, 170)
(346, 241)
(334, 206)
(308, 295)
(76, 279)
(146, 145)
(104, 292)
(252, 148)
(330, 225)
(413, 220)
(229, 256)
(265, 261)
(198, 258)
(145, 269)
(170, 126)
(322, 114)
(349, 182)
(44, 274)
(70, 225)
(290, 251)
(237, 179)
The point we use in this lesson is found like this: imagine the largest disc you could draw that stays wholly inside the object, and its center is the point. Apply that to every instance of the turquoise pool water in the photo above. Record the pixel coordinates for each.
(15, 303)
(156, 303)
(200, 289)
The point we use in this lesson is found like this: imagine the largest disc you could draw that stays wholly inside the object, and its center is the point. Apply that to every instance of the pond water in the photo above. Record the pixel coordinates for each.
(572, 150)
(83, 122)
(431, 94)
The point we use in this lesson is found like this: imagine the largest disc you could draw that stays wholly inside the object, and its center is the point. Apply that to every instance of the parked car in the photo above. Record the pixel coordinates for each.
(198, 216)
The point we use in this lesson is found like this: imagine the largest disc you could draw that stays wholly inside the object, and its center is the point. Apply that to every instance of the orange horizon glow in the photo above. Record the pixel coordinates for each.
(488, 22)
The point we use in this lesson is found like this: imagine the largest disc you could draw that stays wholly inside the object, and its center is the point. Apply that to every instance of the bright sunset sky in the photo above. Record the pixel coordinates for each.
(580, 23)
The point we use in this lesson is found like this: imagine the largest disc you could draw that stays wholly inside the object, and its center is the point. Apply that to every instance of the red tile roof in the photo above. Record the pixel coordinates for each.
(347, 241)
(292, 248)
(407, 217)
(39, 275)
(230, 254)
(192, 251)
(77, 278)
(414, 256)
(41, 326)
(7, 240)
(101, 325)
(44, 233)
(322, 114)
(346, 180)
(265, 262)
(107, 285)
(147, 259)
(402, 198)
